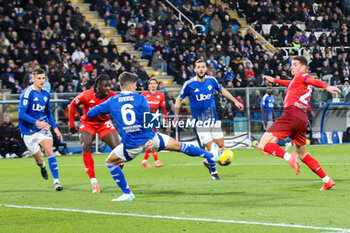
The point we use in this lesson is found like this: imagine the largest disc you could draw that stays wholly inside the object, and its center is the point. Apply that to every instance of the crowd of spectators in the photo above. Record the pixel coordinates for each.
(323, 39)
(55, 35)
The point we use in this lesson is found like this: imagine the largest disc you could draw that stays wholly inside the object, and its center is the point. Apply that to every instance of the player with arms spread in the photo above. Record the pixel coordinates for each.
(200, 91)
(35, 121)
(89, 126)
(293, 121)
(128, 109)
(156, 100)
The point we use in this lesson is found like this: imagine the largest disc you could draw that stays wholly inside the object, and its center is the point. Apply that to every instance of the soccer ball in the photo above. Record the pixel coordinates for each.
(226, 157)
(307, 142)
(255, 143)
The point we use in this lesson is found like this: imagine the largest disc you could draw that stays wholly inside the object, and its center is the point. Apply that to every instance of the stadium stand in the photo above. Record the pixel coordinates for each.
(77, 40)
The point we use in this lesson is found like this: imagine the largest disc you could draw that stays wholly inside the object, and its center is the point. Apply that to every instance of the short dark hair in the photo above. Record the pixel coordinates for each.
(152, 79)
(126, 78)
(102, 77)
(301, 59)
(199, 61)
(38, 71)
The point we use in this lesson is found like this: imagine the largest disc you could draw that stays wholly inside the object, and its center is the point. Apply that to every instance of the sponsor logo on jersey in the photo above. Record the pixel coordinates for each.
(153, 102)
(36, 99)
(92, 102)
(196, 90)
(158, 96)
(202, 97)
(210, 87)
(38, 107)
(45, 98)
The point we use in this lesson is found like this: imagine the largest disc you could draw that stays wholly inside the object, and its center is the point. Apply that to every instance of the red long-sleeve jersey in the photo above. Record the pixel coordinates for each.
(155, 101)
(88, 99)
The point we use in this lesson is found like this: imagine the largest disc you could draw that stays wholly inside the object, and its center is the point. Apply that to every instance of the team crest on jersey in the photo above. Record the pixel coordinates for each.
(196, 90)
(210, 87)
(36, 99)
(25, 102)
(45, 98)
(147, 96)
(158, 96)
(92, 102)
(77, 101)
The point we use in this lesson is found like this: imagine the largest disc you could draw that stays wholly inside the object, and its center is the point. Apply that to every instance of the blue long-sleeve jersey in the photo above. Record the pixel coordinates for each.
(34, 106)
(127, 109)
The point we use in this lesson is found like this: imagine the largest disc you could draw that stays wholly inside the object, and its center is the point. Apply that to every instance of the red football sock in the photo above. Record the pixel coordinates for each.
(274, 149)
(314, 165)
(89, 164)
(155, 155)
(146, 154)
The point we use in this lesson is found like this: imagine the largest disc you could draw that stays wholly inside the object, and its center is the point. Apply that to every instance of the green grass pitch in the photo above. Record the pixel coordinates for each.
(256, 189)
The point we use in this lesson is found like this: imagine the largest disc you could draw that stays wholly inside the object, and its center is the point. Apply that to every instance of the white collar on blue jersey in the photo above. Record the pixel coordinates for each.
(126, 92)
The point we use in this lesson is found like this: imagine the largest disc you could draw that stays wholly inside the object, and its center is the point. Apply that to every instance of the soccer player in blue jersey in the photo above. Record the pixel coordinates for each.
(200, 91)
(266, 107)
(128, 109)
(35, 121)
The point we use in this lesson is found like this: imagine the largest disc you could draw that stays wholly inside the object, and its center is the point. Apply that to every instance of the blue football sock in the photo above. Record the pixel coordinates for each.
(192, 150)
(53, 165)
(212, 165)
(118, 177)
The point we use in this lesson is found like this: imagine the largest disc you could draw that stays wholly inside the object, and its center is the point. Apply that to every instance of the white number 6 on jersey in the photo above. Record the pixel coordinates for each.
(127, 110)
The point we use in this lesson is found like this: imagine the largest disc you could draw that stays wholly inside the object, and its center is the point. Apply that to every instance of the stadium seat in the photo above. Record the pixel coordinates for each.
(64, 150)
(197, 3)
(238, 114)
(235, 28)
(206, 29)
(335, 137)
(113, 23)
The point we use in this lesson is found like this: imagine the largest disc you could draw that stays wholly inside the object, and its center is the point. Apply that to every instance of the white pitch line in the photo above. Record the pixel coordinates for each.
(181, 218)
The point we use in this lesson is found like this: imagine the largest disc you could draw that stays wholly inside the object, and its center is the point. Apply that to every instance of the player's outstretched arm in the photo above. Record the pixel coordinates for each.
(177, 108)
(333, 89)
(276, 80)
(233, 99)
(100, 109)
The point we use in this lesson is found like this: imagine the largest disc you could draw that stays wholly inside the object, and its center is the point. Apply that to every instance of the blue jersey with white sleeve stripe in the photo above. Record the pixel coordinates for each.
(201, 97)
(34, 106)
(127, 109)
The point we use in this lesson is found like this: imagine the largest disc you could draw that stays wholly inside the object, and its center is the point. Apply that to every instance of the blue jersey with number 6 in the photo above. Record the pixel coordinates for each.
(127, 109)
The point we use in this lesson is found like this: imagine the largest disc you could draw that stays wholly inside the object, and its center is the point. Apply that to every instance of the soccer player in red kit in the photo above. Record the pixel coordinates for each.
(155, 100)
(293, 121)
(90, 126)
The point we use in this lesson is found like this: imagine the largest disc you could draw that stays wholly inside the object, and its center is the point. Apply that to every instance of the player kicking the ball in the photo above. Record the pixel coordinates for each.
(156, 100)
(89, 126)
(35, 121)
(128, 110)
(293, 121)
(200, 91)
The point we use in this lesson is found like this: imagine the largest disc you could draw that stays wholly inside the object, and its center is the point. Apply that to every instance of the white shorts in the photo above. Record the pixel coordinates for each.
(207, 134)
(160, 141)
(32, 141)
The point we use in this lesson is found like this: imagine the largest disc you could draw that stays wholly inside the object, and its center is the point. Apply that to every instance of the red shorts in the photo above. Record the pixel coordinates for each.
(291, 124)
(102, 128)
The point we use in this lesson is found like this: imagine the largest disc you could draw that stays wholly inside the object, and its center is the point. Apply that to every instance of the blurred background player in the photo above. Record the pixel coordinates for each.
(294, 119)
(156, 100)
(128, 109)
(35, 120)
(266, 107)
(200, 91)
(90, 126)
